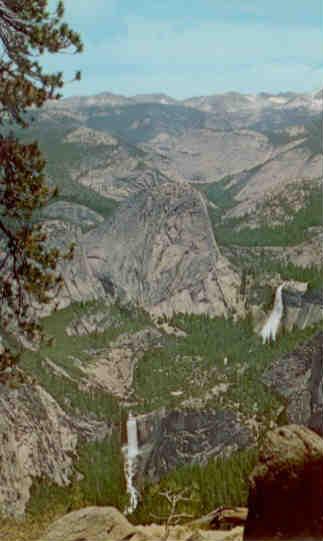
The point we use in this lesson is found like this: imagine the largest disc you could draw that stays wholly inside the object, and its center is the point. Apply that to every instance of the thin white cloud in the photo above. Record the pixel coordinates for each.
(154, 42)
(195, 58)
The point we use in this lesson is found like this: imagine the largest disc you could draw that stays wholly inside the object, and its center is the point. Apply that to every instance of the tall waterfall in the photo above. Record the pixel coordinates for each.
(131, 453)
(270, 329)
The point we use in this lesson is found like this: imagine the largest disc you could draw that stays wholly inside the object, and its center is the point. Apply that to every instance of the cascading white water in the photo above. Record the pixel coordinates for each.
(270, 329)
(131, 453)
(132, 436)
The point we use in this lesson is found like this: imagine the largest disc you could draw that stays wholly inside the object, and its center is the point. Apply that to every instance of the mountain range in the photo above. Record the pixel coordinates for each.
(186, 216)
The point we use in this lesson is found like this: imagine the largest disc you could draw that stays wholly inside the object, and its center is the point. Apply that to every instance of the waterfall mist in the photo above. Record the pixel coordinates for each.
(270, 329)
(131, 452)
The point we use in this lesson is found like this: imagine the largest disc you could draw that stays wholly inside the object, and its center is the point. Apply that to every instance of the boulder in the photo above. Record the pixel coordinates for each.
(223, 518)
(286, 487)
(108, 524)
(93, 524)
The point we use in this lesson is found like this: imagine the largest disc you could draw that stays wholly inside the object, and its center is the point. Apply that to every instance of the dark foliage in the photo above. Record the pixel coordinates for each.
(28, 267)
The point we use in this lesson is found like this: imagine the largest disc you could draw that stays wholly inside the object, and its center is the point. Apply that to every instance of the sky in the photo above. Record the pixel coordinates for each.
(189, 48)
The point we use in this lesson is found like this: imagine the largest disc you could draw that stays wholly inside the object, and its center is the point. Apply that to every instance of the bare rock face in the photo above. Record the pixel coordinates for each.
(159, 252)
(36, 440)
(286, 487)
(222, 518)
(298, 379)
(93, 524)
(79, 282)
(270, 179)
(96, 322)
(206, 155)
(113, 369)
(73, 213)
(108, 524)
(172, 439)
(302, 309)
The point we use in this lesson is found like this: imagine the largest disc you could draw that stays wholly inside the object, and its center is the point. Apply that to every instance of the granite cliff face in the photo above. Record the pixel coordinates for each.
(298, 379)
(37, 442)
(172, 439)
(208, 155)
(160, 252)
(302, 307)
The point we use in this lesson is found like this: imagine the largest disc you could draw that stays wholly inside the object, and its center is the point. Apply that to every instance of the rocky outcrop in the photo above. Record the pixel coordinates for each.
(208, 155)
(108, 524)
(298, 379)
(36, 441)
(112, 370)
(160, 252)
(73, 213)
(79, 282)
(94, 322)
(270, 180)
(169, 440)
(302, 309)
(222, 518)
(286, 488)
(306, 254)
(111, 166)
(122, 177)
(93, 524)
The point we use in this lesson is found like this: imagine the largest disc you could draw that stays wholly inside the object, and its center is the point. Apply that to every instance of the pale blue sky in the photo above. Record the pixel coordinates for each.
(195, 47)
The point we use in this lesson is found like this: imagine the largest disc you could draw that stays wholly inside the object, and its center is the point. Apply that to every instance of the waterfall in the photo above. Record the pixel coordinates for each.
(132, 436)
(270, 329)
(131, 452)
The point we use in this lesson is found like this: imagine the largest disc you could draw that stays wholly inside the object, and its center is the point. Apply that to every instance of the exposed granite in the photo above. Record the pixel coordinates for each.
(159, 251)
(172, 439)
(298, 379)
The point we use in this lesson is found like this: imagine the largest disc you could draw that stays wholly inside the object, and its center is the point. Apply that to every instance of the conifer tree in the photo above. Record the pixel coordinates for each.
(28, 267)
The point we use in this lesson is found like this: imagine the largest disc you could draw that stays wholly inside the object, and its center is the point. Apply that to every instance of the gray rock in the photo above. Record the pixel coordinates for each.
(93, 524)
(108, 524)
(79, 282)
(36, 441)
(112, 369)
(298, 379)
(73, 213)
(177, 438)
(93, 323)
(302, 309)
(159, 251)
(208, 155)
